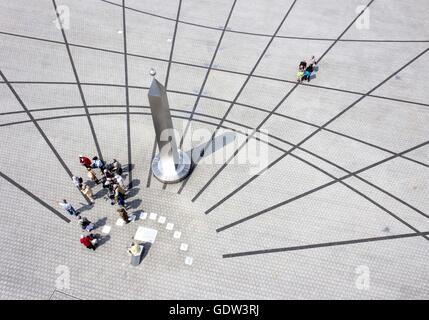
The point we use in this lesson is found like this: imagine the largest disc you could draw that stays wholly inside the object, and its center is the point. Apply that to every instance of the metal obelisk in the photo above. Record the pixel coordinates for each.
(171, 164)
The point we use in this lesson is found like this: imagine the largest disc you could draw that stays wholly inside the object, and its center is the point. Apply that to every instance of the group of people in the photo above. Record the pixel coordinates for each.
(111, 179)
(305, 69)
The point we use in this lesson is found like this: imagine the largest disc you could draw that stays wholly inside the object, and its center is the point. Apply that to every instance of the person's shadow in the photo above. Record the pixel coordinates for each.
(91, 183)
(146, 247)
(101, 193)
(125, 168)
(135, 216)
(133, 192)
(134, 204)
(100, 223)
(84, 207)
(101, 240)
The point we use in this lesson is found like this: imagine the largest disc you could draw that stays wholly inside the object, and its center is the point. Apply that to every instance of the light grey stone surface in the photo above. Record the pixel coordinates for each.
(325, 231)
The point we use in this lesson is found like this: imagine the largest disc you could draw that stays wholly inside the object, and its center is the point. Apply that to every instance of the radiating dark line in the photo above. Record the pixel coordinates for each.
(364, 195)
(226, 163)
(257, 63)
(270, 144)
(100, 155)
(348, 27)
(124, 10)
(172, 44)
(149, 177)
(260, 34)
(345, 170)
(326, 244)
(176, 110)
(225, 100)
(127, 99)
(244, 105)
(207, 73)
(383, 208)
(218, 172)
(252, 216)
(239, 93)
(207, 97)
(31, 195)
(196, 66)
(254, 177)
(171, 56)
(41, 132)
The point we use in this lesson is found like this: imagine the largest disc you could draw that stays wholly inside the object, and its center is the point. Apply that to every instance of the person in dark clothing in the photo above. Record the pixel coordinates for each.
(307, 73)
(86, 224)
(107, 174)
(302, 65)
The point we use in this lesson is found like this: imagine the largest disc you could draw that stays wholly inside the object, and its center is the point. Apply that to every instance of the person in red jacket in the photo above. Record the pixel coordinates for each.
(88, 241)
(85, 161)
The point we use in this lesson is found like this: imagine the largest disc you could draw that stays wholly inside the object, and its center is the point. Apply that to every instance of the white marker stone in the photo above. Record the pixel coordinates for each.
(143, 215)
(189, 260)
(184, 247)
(152, 216)
(106, 229)
(120, 222)
(169, 226)
(177, 234)
(146, 234)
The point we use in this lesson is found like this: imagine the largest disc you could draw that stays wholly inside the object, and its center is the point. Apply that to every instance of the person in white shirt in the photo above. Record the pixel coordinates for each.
(68, 207)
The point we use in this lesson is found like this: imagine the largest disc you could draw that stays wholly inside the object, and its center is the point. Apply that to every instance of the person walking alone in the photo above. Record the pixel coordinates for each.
(68, 207)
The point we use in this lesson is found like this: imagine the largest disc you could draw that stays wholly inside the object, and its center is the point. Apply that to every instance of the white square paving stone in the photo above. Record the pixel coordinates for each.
(162, 219)
(169, 226)
(189, 260)
(184, 247)
(120, 222)
(146, 234)
(177, 234)
(106, 229)
(143, 215)
(153, 216)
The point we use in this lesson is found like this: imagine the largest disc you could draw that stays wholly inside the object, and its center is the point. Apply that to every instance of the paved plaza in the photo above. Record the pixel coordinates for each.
(330, 198)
